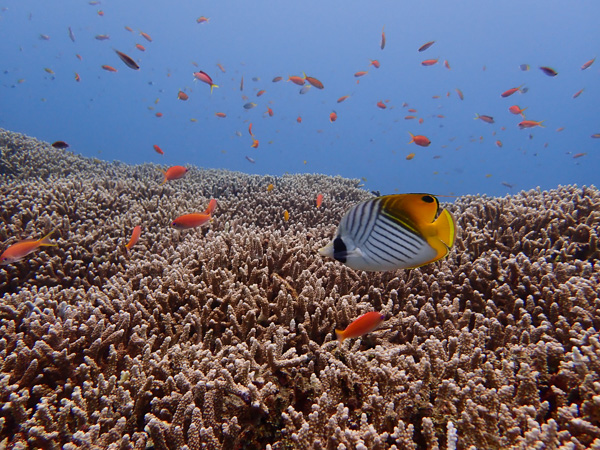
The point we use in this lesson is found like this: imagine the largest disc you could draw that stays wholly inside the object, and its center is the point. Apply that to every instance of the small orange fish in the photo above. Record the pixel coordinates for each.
(549, 71)
(381, 105)
(429, 62)
(447, 66)
(203, 76)
(254, 143)
(158, 114)
(375, 63)
(77, 77)
(421, 120)
(412, 110)
(129, 29)
(173, 173)
(516, 110)
(100, 13)
(425, 46)
(140, 47)
(342, 98)
(409, 117)
(221, 68)
(296, 80)
(530, 124)
(363, 325)
(333, 116)
(270, 187)
(419, 140)
(109, 68)
(578, 93)
(383, 38)
(269, 112)
(158, 150)
(78, 56)
(579, 155)
(212, 205)
(21, 249)
(277, 79)
(319, 200)
(261, 92)
(222, 115)
(460, 94)
(188, 221)
(588, 64)
(299, 119)
(499, 143)
(135, 235)
(146, 36)
(361, 73)
(410, 156)
(286, 215)
(202, 19)
(483, 117)
(510, 92)
(182, 96)
(250, 129)
(313, 81)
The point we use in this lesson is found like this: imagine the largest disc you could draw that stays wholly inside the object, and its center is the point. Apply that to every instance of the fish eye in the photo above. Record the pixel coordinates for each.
(428, 199)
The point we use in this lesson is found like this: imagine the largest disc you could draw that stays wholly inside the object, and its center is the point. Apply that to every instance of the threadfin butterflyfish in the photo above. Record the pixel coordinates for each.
(400, 231)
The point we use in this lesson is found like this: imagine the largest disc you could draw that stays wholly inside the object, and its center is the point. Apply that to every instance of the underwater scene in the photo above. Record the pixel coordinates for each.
(335, 225)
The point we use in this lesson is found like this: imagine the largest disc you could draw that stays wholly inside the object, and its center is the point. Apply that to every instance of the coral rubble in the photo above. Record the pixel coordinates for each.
(222, 337)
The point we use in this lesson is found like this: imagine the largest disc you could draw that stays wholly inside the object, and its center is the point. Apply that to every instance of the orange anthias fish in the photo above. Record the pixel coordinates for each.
(342, 98)
(21, 249)
(254, 143)
(135, 235)
(128, 60)
(319, 200)
(381, 105)
(360, 73)
(109, 68)
(333, 116)
(383, 38)
(77, 77)
(425, 46)
(419, 140)
(510, 92)
(173, 173)
(460, 94)
(188, 221)
(140, 47)
(313, 81)
(158, 150)
(222, 115)
(182, 96)
(516, 110)
(549, 71)
(429, 62)
(296, 80)
(486, 119)
(375, 63)
(530, 124)
(588, 64)
(146, 36)
(363, 325)
(203, 76)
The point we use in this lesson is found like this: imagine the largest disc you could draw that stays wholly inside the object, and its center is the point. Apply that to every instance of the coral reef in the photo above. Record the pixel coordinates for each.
(222, 337)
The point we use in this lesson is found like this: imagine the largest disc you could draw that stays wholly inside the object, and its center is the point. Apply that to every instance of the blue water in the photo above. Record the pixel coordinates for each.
(112, 115)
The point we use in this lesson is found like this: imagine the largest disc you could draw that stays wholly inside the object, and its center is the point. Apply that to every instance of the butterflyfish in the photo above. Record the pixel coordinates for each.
(400, 231)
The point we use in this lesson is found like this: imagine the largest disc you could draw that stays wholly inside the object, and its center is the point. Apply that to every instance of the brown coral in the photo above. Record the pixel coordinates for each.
(221, 337)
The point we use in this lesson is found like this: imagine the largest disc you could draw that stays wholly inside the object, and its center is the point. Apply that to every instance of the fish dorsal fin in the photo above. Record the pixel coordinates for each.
(413, 210)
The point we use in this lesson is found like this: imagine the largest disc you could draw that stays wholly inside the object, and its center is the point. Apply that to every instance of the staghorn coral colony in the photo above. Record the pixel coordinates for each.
(223, 336)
